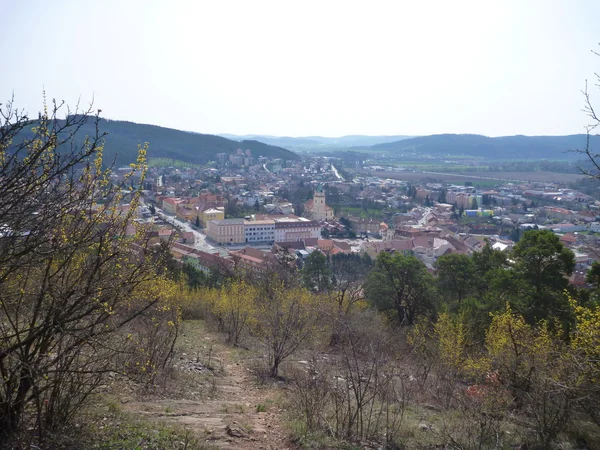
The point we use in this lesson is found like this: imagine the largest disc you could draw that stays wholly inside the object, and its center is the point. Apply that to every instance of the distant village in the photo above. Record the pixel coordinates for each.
(247, 210)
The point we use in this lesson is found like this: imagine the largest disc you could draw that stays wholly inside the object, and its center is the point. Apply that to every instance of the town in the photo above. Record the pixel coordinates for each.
(249, 209)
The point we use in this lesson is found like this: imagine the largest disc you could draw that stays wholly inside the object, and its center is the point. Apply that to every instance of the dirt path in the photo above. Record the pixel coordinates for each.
(217, 397)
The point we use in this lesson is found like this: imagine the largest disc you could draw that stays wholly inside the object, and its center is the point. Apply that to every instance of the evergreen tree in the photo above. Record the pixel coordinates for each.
(542, 264)
(442, 196)
(593, 275)
(316, 273)
(515, 234)
(400, 285)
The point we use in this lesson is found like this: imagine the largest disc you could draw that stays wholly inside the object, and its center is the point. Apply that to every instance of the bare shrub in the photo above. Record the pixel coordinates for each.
(359, 393)
(74, 268)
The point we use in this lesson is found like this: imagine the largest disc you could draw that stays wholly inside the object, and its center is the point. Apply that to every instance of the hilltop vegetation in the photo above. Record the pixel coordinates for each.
(123, 138)
(506, 147)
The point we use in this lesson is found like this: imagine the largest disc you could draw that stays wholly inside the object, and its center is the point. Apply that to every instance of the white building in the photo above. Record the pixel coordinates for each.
(259, 231)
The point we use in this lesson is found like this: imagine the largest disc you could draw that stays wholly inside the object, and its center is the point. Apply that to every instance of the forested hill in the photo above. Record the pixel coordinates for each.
(507, 147)
(319, 142)
(123, 138)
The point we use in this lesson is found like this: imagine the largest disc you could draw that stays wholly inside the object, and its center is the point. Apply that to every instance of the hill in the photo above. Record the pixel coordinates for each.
(318, 142)
(507, 147)
(123, 138)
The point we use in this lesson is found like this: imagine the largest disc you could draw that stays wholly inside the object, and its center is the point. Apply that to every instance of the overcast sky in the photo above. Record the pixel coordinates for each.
(301, 67)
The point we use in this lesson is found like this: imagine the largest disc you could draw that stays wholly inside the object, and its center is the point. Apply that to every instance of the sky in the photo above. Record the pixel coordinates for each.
(301, 68)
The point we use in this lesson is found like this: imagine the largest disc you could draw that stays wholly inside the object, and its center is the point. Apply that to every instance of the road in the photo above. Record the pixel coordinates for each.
(336, 173)
(199, 238)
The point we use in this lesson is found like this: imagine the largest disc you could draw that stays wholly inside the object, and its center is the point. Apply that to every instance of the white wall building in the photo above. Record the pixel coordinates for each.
(259, 231)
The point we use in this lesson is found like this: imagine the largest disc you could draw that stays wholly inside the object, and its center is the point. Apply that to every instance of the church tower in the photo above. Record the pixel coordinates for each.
(320, 210)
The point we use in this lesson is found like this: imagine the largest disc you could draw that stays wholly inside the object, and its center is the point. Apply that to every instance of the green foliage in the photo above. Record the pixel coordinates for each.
(316, 273)
(123, 138)
(401, 285)
(509, 147)
(194, 278)
(344, 221)
(515, 234)
(542, 264)
(456, 275)
(593, 275)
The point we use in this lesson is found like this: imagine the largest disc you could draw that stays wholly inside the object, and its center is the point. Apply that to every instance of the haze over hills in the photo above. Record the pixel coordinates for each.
(123, 138)
(506, 147)
(318, 142)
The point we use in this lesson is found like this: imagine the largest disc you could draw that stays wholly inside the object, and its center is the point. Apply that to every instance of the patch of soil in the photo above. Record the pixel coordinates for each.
(217, 397)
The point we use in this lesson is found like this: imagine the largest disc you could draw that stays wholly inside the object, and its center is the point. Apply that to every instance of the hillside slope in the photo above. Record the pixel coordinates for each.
(123, 138)
(507, 147)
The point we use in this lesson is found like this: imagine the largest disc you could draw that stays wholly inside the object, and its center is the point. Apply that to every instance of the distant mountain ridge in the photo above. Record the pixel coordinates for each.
(506, 147)
(317, 142)
(123, 138)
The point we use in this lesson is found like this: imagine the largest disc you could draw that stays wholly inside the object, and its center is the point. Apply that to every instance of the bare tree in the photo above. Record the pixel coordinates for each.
(286, 319)
(591, 154)
(73, 271)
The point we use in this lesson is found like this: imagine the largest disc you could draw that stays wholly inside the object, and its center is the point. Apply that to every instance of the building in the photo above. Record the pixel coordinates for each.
(361, 226)
(212, 214)
(260, 231)
(226, 231)
(291, 230)
(422, 194)
(170, 204)
(200, 260)
(222, 158)
(567, 228)
(317, 207)
(186, 212)
(461, 199)
(253, 259)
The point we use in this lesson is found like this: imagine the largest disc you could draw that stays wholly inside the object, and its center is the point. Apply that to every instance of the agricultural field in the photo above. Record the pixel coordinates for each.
(482, 178)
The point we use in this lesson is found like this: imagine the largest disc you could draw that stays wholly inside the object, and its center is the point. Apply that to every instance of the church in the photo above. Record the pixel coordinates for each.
(317, 208)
